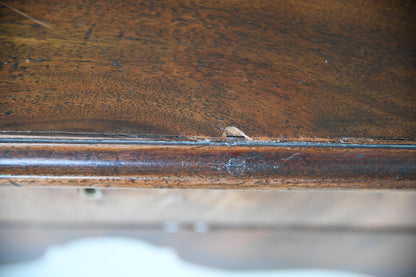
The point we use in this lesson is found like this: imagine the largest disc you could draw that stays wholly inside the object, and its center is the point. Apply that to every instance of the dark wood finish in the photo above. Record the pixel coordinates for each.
(117, 94)
(227, 164)
(323, 94)
(189, 68)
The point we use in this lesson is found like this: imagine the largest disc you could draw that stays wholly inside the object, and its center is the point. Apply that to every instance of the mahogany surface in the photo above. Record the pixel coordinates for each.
(296, 69)
(107, 94)
(206, 164)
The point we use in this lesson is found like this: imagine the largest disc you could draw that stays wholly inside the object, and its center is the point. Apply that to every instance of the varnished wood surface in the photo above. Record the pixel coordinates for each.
(297, 69)
(337, 72)
(206, 164)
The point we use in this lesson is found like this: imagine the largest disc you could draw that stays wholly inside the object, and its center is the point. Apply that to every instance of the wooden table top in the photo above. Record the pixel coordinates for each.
(320, 94)
(274, 69)
(115, 94)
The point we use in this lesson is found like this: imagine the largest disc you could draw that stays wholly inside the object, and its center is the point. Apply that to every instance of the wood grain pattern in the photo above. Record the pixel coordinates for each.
(298, 69)
(211, 165)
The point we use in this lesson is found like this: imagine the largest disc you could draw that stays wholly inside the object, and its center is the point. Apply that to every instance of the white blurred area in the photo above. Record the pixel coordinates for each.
(116, 256)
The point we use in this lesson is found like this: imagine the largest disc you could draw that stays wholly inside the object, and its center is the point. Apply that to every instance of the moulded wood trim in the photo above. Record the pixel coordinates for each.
(222, 164)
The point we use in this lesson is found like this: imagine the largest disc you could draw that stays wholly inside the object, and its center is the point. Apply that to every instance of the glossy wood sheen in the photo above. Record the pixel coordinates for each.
(189, 68)
(116, 94)
(213, 165)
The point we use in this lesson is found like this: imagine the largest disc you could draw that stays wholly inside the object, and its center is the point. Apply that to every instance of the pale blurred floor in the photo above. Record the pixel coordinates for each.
(367, 232)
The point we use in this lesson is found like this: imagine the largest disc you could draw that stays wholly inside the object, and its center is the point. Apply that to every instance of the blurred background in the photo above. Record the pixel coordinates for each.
(113, 256)
(149, 232)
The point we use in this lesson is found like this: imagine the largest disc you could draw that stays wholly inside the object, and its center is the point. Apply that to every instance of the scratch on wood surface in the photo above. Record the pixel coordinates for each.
(25, 15)
(290, 157)
(232, 131)
(285, 160)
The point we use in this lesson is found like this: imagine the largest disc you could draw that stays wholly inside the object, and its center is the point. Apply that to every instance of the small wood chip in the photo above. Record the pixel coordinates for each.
(234, 132)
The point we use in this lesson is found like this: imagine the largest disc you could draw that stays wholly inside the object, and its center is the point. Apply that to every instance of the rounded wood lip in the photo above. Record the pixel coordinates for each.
(209, 141)
(205, 163)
